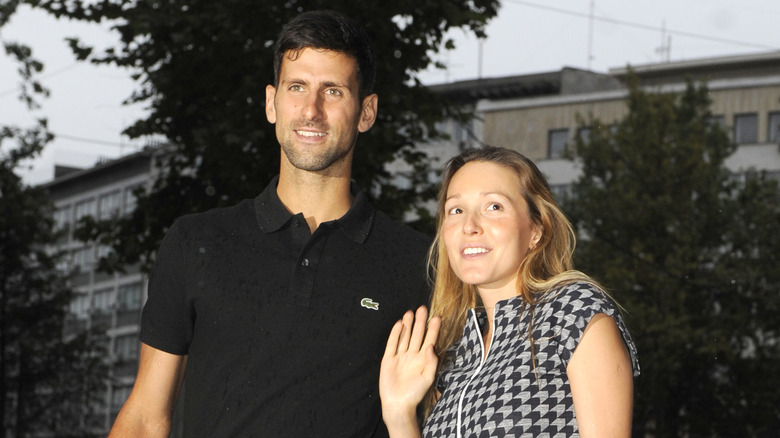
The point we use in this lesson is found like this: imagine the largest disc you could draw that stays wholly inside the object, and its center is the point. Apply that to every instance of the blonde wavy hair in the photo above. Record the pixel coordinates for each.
(547, 265)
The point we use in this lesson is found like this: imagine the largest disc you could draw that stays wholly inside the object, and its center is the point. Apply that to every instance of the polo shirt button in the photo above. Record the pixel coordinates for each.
(296, 223)
(305, 262)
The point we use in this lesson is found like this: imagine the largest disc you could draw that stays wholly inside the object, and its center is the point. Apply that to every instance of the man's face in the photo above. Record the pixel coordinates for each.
(317, 110)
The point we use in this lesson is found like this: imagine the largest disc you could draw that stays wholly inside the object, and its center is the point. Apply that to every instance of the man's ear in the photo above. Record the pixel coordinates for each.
(270, 110)
(368, 111)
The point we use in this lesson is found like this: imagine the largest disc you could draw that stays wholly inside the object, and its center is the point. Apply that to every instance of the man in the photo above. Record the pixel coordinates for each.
(275, 312)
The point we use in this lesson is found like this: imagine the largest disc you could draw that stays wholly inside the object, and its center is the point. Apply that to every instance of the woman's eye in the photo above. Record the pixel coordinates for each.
(454, 210)
(494, 207)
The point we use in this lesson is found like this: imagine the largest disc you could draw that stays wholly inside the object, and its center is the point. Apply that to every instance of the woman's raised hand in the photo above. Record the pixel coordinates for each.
(408, 369)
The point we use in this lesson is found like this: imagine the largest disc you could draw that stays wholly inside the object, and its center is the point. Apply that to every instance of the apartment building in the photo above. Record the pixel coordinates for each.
(745, 93)
(472, 95)
(110, 302)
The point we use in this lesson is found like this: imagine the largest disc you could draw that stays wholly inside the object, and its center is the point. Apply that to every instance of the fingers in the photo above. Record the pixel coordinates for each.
(406, 331)
(413, 332)
(433, 331)
(392, 340)
(420, 319)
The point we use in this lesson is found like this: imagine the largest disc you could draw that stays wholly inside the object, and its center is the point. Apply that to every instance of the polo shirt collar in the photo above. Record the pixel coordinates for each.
(273, 215)
(357, 221)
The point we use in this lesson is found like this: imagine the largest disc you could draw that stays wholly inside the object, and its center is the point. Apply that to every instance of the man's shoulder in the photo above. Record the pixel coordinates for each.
(399, 232)
(217, 218)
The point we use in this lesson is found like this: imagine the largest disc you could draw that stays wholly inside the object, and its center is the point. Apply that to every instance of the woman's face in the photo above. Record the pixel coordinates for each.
(487, 229)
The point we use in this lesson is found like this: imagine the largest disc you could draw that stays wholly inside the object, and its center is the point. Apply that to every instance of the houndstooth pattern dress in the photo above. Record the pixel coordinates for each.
(502, 396)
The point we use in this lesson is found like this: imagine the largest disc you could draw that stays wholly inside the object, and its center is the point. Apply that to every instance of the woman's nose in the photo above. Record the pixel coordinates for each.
(472, 224)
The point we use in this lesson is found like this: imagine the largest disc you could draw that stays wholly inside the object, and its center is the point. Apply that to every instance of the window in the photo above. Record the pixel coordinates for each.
(103, 251)
(463, 131)
(80, 306)
(746, 128)
(556, 142)
(62, 218)
(561, 191)
(719, 121)
(84, 258)
(130, 200)
(774, 128)
(64, 263)
(103, 300)
(130, 296)
(118, 397)
(86, 208)
(109, 205)
(126, 348)
(584, 134)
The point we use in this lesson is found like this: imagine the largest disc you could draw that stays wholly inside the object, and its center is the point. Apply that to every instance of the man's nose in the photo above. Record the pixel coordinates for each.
(312, 108)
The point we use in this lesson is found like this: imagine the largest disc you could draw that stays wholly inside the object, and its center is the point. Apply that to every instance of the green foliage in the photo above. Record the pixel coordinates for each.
(202, 69)
(28, 66)
(691, 252)
(46, 380)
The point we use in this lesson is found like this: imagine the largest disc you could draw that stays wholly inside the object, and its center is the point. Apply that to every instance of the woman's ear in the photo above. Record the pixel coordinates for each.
(536, 236)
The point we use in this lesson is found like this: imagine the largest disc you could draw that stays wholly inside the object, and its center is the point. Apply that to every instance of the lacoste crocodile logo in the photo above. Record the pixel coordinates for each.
(368, 303)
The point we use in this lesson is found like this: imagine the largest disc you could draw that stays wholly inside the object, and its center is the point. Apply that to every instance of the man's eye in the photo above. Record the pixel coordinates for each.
(494, 207)
(333, 92)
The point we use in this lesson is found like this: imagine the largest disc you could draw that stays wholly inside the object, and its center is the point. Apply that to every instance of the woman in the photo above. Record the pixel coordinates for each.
(526, 346)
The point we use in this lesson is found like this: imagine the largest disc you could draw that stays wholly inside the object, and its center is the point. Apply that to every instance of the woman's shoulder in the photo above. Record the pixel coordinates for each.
(576, 300)
(573, 305)
(580, 291)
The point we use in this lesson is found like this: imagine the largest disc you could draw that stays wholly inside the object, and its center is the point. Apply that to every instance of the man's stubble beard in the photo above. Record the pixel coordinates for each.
(315, 158)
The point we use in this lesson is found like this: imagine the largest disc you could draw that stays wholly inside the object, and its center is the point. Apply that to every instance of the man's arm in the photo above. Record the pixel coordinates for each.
(148, 410)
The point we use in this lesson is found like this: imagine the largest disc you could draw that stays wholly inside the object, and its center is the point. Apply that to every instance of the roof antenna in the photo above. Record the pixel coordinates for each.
(665, 49)
(590, 33)
(479, 65)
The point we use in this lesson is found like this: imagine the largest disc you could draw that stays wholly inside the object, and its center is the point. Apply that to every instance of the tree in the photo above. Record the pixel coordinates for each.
(203, 66)
(48, 382)
(691, 251)
(29, 67)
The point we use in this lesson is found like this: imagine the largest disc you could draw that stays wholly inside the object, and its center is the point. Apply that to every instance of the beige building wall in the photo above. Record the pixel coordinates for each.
(524, 124)
(526, 129)
(761, 100)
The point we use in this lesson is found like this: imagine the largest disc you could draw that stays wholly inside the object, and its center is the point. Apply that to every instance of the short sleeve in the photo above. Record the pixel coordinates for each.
(576, 304)
(166, 319)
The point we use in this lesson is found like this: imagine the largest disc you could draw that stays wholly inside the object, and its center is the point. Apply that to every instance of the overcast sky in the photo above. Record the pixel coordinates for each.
(85, 109)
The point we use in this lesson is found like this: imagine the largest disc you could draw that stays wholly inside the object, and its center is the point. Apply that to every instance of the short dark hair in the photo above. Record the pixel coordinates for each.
(328, 30)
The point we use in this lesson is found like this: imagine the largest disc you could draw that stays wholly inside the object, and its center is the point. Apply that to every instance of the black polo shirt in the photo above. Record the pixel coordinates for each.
(284, 329)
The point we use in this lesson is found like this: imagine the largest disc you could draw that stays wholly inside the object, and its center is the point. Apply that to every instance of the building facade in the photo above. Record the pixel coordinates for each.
(110, 303)
(745, 93)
